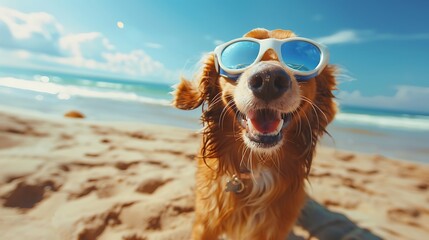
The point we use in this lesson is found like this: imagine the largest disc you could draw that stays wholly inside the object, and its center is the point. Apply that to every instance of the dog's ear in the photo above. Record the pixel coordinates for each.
(322, 113)
(326, 84)
(189, 95)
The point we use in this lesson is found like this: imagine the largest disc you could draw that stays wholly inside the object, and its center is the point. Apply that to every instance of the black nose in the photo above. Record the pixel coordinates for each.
(269, 82)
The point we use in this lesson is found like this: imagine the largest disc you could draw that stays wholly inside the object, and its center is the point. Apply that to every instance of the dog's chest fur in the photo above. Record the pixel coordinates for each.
(244, 215)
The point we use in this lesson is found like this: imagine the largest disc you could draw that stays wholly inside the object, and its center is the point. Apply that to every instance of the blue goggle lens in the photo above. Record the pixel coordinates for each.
(300, 55)
(240, 55)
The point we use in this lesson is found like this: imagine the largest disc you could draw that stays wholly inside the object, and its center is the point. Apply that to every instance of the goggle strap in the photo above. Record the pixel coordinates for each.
(216, 63)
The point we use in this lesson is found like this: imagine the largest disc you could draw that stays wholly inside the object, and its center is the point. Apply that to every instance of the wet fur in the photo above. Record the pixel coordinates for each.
(273, 197)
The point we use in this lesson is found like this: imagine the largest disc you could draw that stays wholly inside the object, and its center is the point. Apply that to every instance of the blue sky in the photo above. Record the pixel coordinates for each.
(381, 46)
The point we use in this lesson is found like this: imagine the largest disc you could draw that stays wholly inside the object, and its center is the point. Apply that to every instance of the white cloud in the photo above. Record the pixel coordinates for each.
(345, 36)
(356, 36)
(134, 63)
(85, 45)
(37, 32)
(153, 45)
(38, 38)
(410, 98)
(217, 42)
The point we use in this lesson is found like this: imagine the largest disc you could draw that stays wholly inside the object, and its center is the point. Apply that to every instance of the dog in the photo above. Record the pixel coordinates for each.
(261, 122)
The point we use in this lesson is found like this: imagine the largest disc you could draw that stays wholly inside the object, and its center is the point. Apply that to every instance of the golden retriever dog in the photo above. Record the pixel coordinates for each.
(261, 122)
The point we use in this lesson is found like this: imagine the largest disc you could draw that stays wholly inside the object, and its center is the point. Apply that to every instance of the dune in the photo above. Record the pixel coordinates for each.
(65, 178)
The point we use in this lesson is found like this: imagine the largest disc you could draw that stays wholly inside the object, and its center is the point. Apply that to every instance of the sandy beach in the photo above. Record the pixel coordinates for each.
(67, 179)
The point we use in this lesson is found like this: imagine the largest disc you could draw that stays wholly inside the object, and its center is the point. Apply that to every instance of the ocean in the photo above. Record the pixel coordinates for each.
(400, 135)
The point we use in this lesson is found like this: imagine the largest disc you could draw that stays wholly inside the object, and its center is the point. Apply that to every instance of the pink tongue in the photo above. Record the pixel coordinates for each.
(264, 121)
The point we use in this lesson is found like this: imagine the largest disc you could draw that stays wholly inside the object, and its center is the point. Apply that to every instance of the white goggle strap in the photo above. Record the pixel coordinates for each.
(216, 63)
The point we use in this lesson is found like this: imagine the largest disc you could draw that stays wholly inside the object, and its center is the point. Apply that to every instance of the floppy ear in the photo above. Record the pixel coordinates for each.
(323, 113)
(189, 95)
(325, 98)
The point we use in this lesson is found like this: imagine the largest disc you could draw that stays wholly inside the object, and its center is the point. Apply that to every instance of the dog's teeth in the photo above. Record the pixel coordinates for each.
(280, 126)
(250, 125)
(243, 122)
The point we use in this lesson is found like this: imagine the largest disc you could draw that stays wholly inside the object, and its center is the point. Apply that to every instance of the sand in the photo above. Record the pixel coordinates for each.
(75, 179)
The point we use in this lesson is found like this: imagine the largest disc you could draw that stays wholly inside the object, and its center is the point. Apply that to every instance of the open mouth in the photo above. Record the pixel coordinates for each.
(264, 126)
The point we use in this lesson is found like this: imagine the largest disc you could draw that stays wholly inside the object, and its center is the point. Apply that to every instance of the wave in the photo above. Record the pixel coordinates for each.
(65, 92)
(111, 92)
(398, 122)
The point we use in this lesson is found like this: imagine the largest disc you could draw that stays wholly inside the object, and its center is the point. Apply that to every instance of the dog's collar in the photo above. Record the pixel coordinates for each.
(236, 183)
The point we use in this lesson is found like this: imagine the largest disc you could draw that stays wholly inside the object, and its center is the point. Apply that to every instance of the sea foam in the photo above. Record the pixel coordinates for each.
(67, 91)
(398, 122)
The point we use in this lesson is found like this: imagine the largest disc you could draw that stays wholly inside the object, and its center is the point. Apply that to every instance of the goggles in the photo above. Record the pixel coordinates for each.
(303, 57)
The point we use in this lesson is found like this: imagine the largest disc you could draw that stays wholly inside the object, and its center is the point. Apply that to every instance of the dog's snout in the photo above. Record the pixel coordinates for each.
(269, 82)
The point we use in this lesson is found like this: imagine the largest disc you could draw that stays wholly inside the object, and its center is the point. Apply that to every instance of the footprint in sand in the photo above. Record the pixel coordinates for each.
(125, 165)
(149, 186)
(346, 157)
(422, 186)
(156, 216)
(410, 216)
(157, 163)
(349, 182)
(105, 140)
(140, 135)
(102, 187)
(133, 237)
(26, 196)
(94, 226)
(363, 171)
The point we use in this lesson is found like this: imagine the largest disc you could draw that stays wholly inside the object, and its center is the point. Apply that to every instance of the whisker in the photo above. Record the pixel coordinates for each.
(225, 111)
(251, 166)
(317, 107)
(310, 132)
(314, 110)
(244, 154)
(276, 160)
(217, 98)
(221, 117)
(294, 114)
(235, 120)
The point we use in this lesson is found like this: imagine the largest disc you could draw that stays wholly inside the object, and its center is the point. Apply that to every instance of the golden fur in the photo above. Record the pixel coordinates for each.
(274, 195)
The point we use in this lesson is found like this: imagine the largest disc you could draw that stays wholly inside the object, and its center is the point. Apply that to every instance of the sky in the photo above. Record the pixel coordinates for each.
(381, 47)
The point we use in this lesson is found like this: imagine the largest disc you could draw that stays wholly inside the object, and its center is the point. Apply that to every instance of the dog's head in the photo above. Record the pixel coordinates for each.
(266, 109)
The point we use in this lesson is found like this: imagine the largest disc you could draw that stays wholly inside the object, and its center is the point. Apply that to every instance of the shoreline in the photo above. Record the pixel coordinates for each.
(72, 179)
(390, 143)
